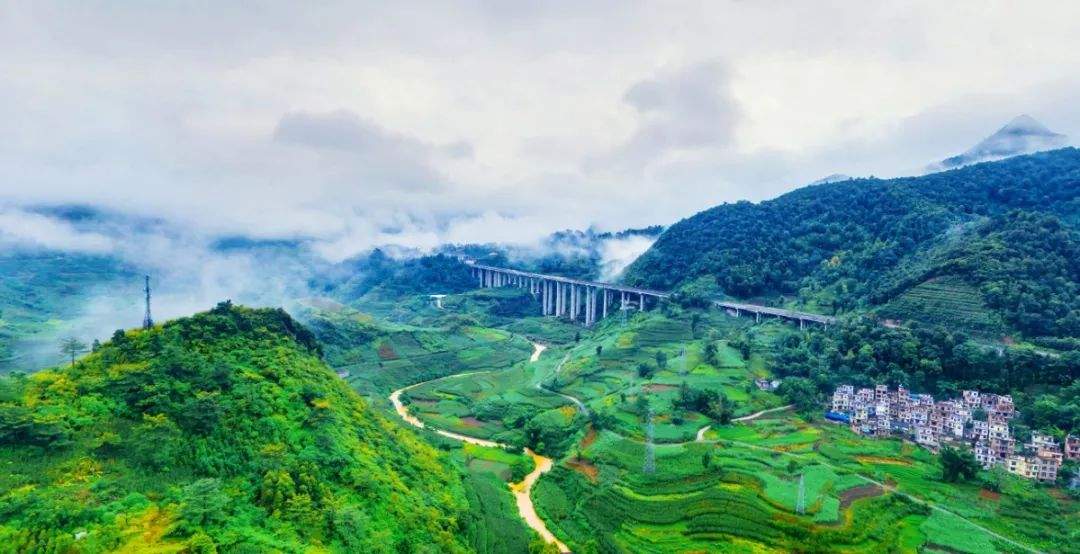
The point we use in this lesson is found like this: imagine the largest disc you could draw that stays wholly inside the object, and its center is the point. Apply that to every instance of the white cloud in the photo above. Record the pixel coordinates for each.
(353, 123)
(24, 229)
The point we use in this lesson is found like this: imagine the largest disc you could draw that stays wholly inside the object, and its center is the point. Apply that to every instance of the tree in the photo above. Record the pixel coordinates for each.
(644, 370)
(599, 350)
(958, 464)
(203, 502)
(661, 359)
(710, 353)
(803, 393)
(72, 347)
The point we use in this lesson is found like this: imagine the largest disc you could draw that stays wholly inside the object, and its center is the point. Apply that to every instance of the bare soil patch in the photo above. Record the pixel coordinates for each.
(386, 352)
(658, 387)
(585, 468)
(471, 421)
(989, 495)
(868, 490)
(589, 439)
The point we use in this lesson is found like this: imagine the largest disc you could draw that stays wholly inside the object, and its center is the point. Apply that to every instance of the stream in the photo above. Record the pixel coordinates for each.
(520, 490)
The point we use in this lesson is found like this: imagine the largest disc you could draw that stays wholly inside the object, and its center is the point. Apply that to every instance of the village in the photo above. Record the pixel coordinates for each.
(978, 420)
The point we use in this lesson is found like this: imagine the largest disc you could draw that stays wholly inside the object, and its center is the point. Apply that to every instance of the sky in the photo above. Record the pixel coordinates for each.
(351, 125)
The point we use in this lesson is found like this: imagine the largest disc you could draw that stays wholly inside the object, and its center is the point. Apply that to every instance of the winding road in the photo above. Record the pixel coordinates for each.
(520, 490)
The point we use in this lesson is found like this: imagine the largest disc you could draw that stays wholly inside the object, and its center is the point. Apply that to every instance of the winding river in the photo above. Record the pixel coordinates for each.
(520, 490)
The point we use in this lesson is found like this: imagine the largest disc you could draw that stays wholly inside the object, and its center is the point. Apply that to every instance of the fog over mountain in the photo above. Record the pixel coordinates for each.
(1022, 135)
(355, 125)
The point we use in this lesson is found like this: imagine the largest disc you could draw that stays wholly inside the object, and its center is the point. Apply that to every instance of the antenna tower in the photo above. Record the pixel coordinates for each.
(147, 321)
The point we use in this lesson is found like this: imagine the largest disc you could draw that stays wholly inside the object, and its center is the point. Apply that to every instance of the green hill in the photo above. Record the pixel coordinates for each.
(222, 430)
(840, 246)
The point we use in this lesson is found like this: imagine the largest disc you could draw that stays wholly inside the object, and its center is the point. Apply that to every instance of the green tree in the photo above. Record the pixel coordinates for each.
(72, 347)
(661, 359)
(202, 502)
(958, 464)
(710, 353)
(803, 393)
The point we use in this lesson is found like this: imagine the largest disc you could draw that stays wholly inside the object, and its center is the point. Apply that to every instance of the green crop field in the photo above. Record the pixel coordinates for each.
(738, 490)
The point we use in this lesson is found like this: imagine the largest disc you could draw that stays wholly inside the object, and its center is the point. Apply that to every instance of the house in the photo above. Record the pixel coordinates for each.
(880, 412)
(1072, 447)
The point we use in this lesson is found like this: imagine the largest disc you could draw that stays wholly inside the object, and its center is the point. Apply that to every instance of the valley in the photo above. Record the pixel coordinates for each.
(679, 411)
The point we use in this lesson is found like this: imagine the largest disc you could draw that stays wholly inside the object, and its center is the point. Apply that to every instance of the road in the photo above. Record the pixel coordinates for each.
(521, 491)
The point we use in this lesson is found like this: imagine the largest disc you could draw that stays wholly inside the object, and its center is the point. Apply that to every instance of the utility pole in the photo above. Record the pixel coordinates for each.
(649, 467)
(147, 321)
(800, 501)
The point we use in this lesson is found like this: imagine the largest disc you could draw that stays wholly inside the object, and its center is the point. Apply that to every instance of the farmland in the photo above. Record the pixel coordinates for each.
(738, 489)
(945, 301)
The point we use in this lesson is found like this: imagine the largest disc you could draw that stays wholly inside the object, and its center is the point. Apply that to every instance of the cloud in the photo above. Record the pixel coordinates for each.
(685, 109)
(22, 229)
(352, 123)
(616, 254)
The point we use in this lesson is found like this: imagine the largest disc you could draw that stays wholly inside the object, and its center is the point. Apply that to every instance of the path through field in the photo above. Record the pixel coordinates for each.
(520, 490)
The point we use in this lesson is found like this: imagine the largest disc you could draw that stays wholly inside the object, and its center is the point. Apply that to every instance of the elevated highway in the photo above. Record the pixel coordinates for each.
(589, 301)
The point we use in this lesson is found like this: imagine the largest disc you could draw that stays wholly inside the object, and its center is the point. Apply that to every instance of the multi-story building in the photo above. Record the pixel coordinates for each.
(1072, 447)
(880, 412)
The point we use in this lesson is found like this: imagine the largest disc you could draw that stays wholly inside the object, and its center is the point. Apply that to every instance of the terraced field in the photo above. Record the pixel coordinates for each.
(738, 489)
(382, 357)
(946, 301)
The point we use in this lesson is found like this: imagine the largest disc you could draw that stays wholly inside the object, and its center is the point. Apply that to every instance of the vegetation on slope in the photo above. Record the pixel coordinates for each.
(223, 429)
(837, 240)
(1025, 265)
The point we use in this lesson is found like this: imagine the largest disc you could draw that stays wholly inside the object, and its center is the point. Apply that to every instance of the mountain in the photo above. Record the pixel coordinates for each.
(223, 430)
(857, 244)
(1022, 135)
(834, 178)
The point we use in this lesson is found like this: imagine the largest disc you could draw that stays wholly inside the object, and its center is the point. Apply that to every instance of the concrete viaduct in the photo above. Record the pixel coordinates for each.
(589, 301)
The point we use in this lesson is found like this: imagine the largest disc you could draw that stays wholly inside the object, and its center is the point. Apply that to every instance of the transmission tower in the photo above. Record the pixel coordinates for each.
(649, 466)
(147, 321)
(800, 500)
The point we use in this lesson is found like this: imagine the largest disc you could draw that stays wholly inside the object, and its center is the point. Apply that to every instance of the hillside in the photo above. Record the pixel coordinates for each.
(224, 429)
(840, 246)
(41, 296)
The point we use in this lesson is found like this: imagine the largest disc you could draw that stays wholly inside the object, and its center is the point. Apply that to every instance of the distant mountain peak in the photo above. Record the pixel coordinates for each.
(834, 178)
(1022, 135)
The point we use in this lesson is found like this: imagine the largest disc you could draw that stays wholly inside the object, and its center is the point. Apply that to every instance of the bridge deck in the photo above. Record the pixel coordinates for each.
(778, 312)
(752, 308)
(608, 286)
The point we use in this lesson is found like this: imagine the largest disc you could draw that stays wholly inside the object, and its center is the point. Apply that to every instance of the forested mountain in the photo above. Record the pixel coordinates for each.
(224, 429)
(1006, 229)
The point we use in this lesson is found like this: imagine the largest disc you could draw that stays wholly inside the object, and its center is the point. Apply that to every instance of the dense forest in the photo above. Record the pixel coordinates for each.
(219, 430)
(1006, 227)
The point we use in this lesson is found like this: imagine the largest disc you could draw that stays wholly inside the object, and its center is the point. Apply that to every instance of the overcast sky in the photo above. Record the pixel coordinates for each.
(412, 123)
